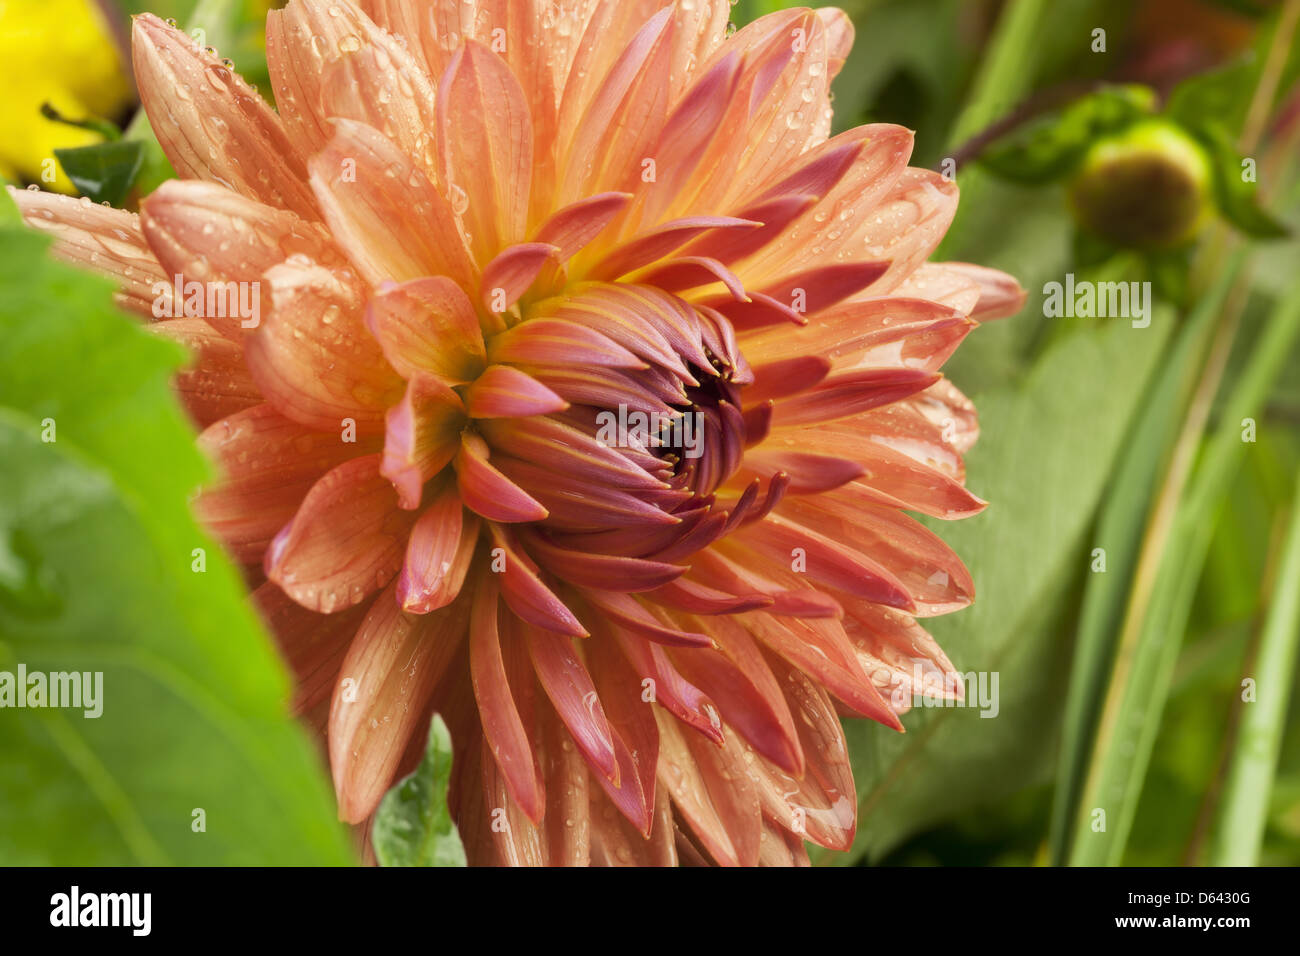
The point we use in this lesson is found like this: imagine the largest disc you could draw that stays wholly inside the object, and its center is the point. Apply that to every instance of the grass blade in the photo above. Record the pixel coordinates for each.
(1149, 651)
(1244, 808)
(1119, 534)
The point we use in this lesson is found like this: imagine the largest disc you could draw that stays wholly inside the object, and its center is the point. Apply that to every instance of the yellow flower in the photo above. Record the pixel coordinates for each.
(62, 53)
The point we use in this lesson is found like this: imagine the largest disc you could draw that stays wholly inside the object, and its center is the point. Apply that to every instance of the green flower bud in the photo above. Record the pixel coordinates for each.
(1147, 187)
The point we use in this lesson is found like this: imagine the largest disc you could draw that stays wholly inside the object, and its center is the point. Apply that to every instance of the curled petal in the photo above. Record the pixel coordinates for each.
(486, 490)
(547, 341)
(524, 591)
(502, 726)
(422, 435)
(602, 571)
(438, 554)
(503, 391)
(1000, 295)
(569, 687)
(313, 358)
(509, 275)
(344, 543)
(571, 228)
(851, 393)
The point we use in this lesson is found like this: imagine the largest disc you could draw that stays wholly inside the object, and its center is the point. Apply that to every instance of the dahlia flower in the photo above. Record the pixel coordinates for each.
(586, 384)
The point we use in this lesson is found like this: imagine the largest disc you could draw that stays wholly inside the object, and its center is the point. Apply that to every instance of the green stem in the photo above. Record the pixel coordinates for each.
(1005, 77)
(1007, 72)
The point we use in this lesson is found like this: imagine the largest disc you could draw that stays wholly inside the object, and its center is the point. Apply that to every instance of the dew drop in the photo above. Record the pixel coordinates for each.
(459, 199)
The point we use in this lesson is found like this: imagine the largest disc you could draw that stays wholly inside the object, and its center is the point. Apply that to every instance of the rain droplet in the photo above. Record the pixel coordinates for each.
(459, 199)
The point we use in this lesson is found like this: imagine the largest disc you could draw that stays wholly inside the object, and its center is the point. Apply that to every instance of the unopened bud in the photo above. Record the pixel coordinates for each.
(1147, 187)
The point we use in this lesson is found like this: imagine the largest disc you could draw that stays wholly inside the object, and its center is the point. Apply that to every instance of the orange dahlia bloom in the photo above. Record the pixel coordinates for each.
(578, 387)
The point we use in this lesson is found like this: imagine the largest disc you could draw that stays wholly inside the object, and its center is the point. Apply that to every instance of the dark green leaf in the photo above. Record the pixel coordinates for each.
(1171, 274)
(1223, 92)
(1089, 250)
(103, 172)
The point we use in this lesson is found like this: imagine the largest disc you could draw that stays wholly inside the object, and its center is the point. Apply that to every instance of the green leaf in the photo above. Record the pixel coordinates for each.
(1249, 783)
(194, 759)
(413, 826)
(1119, 533)
(1046, 451)
(1054, 147)
(103, 172)
(1139, 684)
(1224, 91)
(1236, 192)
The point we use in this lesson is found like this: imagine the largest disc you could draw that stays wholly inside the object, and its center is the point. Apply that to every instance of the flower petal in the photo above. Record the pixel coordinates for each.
(485, 140)
(105, 240)
(502, 726)
(503, 391)
(385, 212)
(510, 274)
(215, 383)
(223, 242)
(196, 103)
(267, 464)
(524, 591)
(569, 687)
(438, 554)
(390, 671)
(486, 490)
(330, 60)
(345, 542)
(422, 434)
(313, 357)
(428, 325)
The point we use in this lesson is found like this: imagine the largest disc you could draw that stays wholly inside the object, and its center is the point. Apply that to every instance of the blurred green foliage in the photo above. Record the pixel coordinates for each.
(194, 759)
